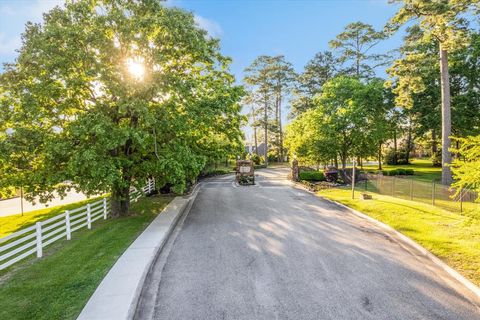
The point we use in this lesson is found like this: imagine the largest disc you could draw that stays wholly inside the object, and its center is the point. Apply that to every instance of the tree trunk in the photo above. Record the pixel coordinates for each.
(255, 138)
(277, 137)
(446, 118)
(255, 129)
(395, 148)
(120, 201)
(336, 162)
(265, 138)
(409, 144)
(280, 126)
(434, 143)
(344, 161)
(379, 156)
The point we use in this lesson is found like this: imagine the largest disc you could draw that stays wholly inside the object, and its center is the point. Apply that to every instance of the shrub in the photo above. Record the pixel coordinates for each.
(312, 176)
(409, 172)
(393, 172)
(391, 157)
(385, 172)
(256, 158)
(401, 172)
(437, 158)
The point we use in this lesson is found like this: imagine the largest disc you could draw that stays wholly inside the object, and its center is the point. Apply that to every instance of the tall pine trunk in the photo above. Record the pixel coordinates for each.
(446, 118)
(395, 148)
(265, 138)
(280, 126)
(255, 138)
(379, 155)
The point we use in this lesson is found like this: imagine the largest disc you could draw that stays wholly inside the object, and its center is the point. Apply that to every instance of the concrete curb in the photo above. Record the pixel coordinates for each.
(117, 296)
(406, 240)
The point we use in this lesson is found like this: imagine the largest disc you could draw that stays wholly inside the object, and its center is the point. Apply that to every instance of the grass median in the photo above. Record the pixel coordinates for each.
(453, 237)
(58, 285)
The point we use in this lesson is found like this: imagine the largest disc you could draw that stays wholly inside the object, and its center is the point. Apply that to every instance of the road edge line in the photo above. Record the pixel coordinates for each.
(452, 272)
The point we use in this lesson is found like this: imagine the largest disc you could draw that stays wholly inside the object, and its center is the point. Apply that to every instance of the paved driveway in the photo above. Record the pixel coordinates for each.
(275, 252)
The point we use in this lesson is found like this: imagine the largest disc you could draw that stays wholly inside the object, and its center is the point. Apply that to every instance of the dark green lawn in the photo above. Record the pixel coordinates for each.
(423, 168)
(58, 285)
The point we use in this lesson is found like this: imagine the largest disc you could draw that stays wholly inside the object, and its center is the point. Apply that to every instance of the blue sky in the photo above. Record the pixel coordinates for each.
(247, 28)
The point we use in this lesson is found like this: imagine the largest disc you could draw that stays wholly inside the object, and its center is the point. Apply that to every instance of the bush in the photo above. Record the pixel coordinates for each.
(391, 157)
(409, 172)
(401, 172)
(393, 172)
(437, 158)
(256, 158)
(312, 176)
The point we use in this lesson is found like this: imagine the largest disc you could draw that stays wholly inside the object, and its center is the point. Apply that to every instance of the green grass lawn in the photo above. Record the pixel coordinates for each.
(424, 170)
(10, 224)
(58, 285)
(453, 237)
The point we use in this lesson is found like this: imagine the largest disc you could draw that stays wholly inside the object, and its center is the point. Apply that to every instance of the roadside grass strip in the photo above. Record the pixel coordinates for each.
(58, 285)
(452, 236)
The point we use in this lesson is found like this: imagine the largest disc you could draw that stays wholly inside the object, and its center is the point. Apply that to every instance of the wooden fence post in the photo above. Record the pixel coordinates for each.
(39, 239)
(67, 224)
(89, 217)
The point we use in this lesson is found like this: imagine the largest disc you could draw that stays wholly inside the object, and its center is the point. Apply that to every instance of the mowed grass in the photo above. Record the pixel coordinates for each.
(423, 169)
(10, 224)
(58, 285)
(453, 237)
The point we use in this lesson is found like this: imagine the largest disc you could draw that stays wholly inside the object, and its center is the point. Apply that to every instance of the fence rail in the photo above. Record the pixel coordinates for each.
(406, 187)
(25, 242)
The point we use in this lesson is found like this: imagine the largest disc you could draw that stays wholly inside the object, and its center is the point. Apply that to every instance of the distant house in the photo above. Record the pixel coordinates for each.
(250, 148)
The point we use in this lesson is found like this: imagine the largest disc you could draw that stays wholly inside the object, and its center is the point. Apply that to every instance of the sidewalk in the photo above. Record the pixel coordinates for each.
(117, 295)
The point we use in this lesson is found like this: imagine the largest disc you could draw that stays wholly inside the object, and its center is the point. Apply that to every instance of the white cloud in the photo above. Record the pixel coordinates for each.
(9, 45)
(212, 27)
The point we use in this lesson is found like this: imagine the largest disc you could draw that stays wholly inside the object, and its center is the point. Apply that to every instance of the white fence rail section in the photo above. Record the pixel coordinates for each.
(33, 239)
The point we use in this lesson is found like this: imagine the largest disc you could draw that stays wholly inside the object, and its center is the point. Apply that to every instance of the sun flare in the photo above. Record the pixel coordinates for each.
(136, 67)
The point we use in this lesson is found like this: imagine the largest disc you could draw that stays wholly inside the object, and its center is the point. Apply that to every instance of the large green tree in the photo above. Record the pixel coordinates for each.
(350, 119)
(268, 81)
(323, 67)
(354, 47)
(108, 93)
(445, 23)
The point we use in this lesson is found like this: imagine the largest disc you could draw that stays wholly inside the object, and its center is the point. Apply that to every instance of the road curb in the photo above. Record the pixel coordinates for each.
(117, 296)
(452, 272)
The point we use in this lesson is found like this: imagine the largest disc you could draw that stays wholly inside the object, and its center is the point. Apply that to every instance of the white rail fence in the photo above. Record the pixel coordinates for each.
(33, 239)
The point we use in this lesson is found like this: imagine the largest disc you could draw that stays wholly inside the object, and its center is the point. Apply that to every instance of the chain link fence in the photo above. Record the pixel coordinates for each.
(406, 187)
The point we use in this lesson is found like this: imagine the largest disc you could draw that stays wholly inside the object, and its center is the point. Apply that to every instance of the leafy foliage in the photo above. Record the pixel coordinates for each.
(466, 171)
(311, 176)
(108, 93)
(354, 46)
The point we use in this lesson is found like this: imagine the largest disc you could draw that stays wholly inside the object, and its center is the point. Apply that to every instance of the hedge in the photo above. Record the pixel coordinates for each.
(312, 176)
(398, 172)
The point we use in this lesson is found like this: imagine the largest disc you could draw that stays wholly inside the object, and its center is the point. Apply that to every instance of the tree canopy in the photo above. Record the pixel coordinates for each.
(107, 93)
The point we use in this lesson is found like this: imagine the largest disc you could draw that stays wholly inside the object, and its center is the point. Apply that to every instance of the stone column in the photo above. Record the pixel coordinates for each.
(295, 170)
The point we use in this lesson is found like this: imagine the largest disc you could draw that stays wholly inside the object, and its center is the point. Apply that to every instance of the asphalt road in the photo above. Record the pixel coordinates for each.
(275, 252)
